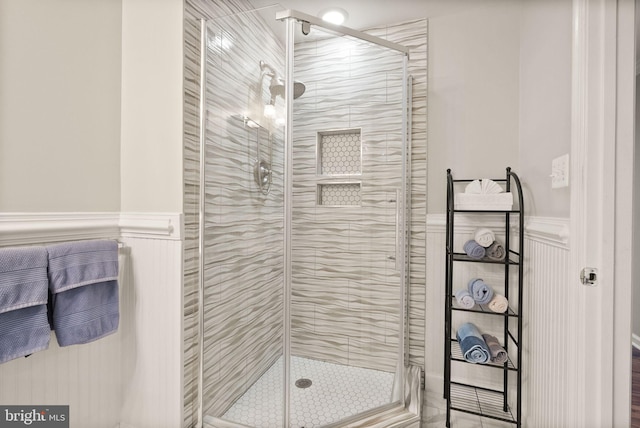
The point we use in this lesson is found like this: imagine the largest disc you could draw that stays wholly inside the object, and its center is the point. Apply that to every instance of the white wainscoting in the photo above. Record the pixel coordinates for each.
(133, 377)
(546, 324)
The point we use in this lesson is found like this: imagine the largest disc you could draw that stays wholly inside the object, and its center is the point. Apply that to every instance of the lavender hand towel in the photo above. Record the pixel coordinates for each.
(481, 292)
(474, 250)
(83, 280)
(464, 299)
(498, 354)
(23, 298)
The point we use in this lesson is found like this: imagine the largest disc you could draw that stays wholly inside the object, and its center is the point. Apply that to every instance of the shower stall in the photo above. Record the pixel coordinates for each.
(304, 208)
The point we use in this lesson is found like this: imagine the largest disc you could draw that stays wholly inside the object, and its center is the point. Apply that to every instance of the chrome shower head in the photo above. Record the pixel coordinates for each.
(276, 87)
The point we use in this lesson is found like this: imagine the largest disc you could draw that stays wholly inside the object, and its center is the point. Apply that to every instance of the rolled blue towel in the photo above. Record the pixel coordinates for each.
(474, 250)
(473, 347)
(481, 292)
(465, 299)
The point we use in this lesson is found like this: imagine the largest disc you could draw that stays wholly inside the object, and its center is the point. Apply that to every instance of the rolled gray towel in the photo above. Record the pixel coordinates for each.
(498, 354)
(496, 251)
(474, 250)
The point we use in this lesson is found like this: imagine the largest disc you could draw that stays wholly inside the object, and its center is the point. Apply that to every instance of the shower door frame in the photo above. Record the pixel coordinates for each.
(291, 17)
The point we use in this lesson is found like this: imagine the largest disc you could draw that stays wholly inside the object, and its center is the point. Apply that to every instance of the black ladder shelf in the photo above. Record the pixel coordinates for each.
(504, 403)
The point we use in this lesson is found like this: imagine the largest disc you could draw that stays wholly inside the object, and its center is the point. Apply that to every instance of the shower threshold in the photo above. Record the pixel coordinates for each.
(337, 392)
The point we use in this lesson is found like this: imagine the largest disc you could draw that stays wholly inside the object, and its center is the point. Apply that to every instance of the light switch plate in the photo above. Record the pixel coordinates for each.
(560, 172)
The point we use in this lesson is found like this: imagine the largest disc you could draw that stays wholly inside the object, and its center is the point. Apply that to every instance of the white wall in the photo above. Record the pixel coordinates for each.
(152, 105)
(473, 95)
(60, 105)
(545, 102)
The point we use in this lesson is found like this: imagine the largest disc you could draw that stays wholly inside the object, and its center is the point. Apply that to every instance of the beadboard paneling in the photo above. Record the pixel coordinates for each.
(151, 328)
(547, 334)
(85, 377)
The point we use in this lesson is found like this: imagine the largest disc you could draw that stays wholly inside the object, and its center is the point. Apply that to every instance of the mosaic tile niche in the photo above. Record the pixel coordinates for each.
(339, 154)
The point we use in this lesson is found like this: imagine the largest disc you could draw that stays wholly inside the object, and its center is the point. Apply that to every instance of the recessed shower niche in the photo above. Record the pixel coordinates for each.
(339, 154)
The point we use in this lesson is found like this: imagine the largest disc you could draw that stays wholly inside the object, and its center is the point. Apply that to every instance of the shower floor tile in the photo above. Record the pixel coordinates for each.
(337, 392)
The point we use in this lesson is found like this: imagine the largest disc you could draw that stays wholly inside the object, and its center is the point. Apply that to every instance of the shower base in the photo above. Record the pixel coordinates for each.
(337, 392)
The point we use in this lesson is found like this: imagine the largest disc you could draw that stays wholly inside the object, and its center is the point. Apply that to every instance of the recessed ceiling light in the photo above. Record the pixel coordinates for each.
(334, 15)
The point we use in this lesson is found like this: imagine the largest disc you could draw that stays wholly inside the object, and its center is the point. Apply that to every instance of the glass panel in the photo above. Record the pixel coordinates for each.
(346, 291)
(243, 222)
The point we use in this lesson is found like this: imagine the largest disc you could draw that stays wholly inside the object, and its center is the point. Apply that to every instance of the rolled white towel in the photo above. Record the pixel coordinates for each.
(499, 303)
(484, 237)
(465, 299)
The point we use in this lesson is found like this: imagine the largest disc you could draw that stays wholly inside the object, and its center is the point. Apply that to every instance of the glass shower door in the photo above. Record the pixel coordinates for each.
(347, 247)
(242, 215)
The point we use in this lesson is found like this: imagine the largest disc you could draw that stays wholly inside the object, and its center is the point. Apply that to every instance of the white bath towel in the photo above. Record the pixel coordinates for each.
(484, 237)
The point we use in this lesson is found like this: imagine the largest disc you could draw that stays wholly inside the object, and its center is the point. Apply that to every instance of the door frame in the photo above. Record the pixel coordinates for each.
(601, 177)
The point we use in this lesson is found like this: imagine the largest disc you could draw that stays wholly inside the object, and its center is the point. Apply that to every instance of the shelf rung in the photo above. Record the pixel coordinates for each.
(482, 309)
(480, 401)
(462, 257)
(456, 355)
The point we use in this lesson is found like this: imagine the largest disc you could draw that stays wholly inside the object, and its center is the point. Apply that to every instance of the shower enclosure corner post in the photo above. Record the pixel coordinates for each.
(288, 204)
(405, 273)
(201, 217)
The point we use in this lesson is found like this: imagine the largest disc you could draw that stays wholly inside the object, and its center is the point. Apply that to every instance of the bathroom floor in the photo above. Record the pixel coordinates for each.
(434, 415)
(337, 391)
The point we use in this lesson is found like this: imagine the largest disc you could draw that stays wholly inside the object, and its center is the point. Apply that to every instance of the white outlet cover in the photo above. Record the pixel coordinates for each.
(560, 172)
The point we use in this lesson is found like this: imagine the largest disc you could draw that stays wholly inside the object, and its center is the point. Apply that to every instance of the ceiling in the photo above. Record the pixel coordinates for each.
(365, 14)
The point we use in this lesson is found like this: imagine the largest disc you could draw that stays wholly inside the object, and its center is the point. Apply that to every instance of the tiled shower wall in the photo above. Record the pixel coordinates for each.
(243, 204)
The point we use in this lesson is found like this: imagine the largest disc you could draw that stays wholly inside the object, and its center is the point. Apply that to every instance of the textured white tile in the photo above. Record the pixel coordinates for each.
(337, 391)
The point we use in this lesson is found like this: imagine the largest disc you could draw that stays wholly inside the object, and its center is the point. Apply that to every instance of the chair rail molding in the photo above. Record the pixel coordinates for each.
(42, 228)
(548, 230)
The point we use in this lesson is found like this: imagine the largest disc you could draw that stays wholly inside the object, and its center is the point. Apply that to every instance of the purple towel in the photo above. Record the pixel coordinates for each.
(83, 280)
(23, 298)
(474, 250)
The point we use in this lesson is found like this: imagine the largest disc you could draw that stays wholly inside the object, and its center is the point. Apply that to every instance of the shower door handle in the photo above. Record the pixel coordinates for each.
(398, 238)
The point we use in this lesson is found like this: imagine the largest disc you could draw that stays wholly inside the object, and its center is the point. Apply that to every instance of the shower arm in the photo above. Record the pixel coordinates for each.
(271, 71)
